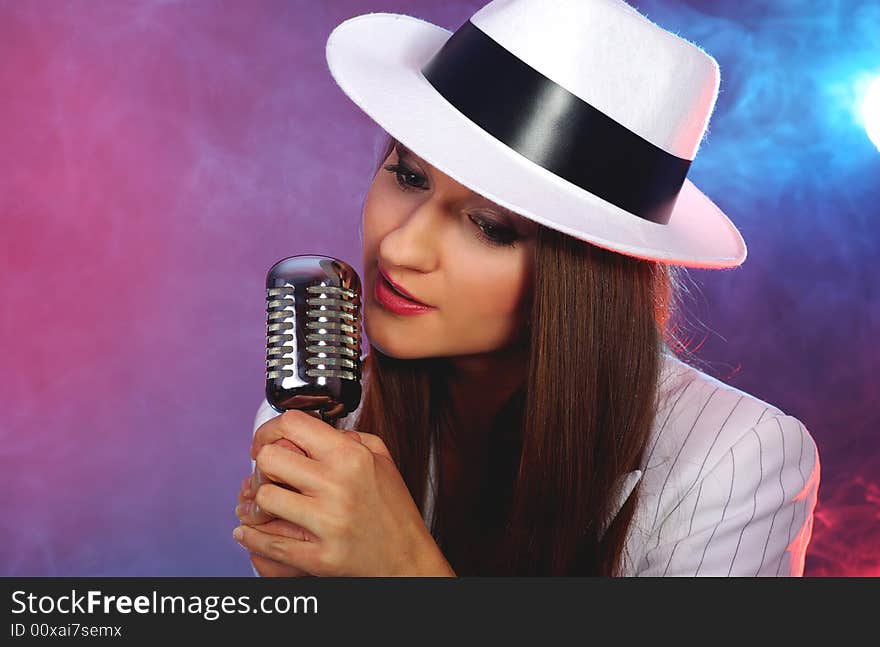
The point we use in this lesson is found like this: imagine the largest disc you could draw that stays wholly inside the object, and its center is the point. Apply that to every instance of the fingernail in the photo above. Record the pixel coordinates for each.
(238, 533)
(242, 509)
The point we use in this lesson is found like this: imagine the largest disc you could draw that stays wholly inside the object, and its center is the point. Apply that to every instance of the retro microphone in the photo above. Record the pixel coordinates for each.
(313, 338)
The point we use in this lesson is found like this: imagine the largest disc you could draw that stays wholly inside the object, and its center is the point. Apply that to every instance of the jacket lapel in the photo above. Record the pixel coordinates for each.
(623, 487)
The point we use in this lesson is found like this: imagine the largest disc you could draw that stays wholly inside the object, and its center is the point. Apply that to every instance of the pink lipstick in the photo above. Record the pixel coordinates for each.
(390, 299)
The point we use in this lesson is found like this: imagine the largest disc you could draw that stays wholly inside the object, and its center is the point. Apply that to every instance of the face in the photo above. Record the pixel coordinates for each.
(450, 248)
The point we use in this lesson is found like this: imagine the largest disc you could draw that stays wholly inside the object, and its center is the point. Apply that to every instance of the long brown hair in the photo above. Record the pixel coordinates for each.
(599, 324)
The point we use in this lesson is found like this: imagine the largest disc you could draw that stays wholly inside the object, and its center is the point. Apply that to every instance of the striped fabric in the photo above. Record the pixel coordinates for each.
(727, 487)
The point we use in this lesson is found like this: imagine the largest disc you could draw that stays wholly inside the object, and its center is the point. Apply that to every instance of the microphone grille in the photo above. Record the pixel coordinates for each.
(313, 339)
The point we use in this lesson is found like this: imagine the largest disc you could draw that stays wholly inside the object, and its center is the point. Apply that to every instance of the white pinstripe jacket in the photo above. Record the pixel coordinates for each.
(727, 488)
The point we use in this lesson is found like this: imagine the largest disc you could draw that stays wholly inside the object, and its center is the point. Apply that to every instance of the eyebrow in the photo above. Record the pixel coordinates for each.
(405, 153)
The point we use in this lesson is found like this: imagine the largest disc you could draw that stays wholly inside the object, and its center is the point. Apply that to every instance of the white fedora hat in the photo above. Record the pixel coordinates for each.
(581, 115)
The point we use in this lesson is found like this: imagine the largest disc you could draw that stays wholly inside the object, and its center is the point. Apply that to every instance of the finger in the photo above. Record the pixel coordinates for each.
(287, 529)
(291, 506)
(285, 550)
(248, 488)
(283, 427)
(285, 466)
(247, 510)
(257, 434)
(284, 528)
(266, 567)
(259, 479)
(258, 442)
(316, 437)
(256, 479)
(286, 444)
(245, 494)
(270, 568)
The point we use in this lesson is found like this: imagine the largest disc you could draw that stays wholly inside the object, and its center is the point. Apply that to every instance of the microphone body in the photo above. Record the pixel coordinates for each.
(313, 336)
(313, 339)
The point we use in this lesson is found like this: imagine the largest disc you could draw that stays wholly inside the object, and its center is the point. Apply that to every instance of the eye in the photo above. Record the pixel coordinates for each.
(406, 178)
(494, 234)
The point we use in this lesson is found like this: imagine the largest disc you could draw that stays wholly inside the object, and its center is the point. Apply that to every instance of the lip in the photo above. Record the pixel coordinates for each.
(394, 302)
(400, 289)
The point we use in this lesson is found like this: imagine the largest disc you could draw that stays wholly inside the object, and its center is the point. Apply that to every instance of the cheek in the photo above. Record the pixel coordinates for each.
(493, 287)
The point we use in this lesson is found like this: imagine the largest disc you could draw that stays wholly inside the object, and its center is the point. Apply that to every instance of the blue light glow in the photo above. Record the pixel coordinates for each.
(871, 111)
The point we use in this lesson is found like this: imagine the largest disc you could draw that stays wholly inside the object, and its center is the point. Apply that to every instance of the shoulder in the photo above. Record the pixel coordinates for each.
(698, 418)
(722, 468)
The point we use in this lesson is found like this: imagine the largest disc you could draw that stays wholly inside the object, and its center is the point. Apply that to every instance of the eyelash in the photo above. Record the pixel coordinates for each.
(502, 236)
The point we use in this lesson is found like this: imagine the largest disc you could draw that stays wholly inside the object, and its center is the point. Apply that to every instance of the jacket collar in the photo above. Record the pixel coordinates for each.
(623, 487)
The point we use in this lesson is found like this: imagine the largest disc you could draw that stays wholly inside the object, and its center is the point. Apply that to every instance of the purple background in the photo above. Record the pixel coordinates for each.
(156, 158)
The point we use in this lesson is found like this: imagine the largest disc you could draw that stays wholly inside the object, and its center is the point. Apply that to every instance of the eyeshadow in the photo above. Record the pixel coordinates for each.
(514, 218)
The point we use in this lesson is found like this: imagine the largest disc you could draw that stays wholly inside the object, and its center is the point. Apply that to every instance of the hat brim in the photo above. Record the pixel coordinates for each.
(376, 59)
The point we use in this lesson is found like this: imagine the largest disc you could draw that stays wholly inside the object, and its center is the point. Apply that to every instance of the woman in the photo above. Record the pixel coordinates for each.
(525, 393)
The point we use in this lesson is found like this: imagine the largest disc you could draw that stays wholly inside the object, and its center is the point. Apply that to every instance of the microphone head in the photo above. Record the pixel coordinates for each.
(313, 336)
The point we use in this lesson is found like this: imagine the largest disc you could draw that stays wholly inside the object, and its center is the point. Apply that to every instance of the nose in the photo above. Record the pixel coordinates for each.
(414, 243)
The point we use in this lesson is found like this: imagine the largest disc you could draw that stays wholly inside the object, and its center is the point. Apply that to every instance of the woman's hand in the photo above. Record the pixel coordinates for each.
(264, 566)
(248, 512)
(352, 504)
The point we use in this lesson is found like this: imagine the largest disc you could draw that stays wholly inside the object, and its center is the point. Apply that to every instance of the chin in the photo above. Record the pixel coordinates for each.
(399, 350)
(392, 343)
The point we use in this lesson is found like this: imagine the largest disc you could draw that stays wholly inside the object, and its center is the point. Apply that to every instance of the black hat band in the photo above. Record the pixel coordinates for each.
(559, 131)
